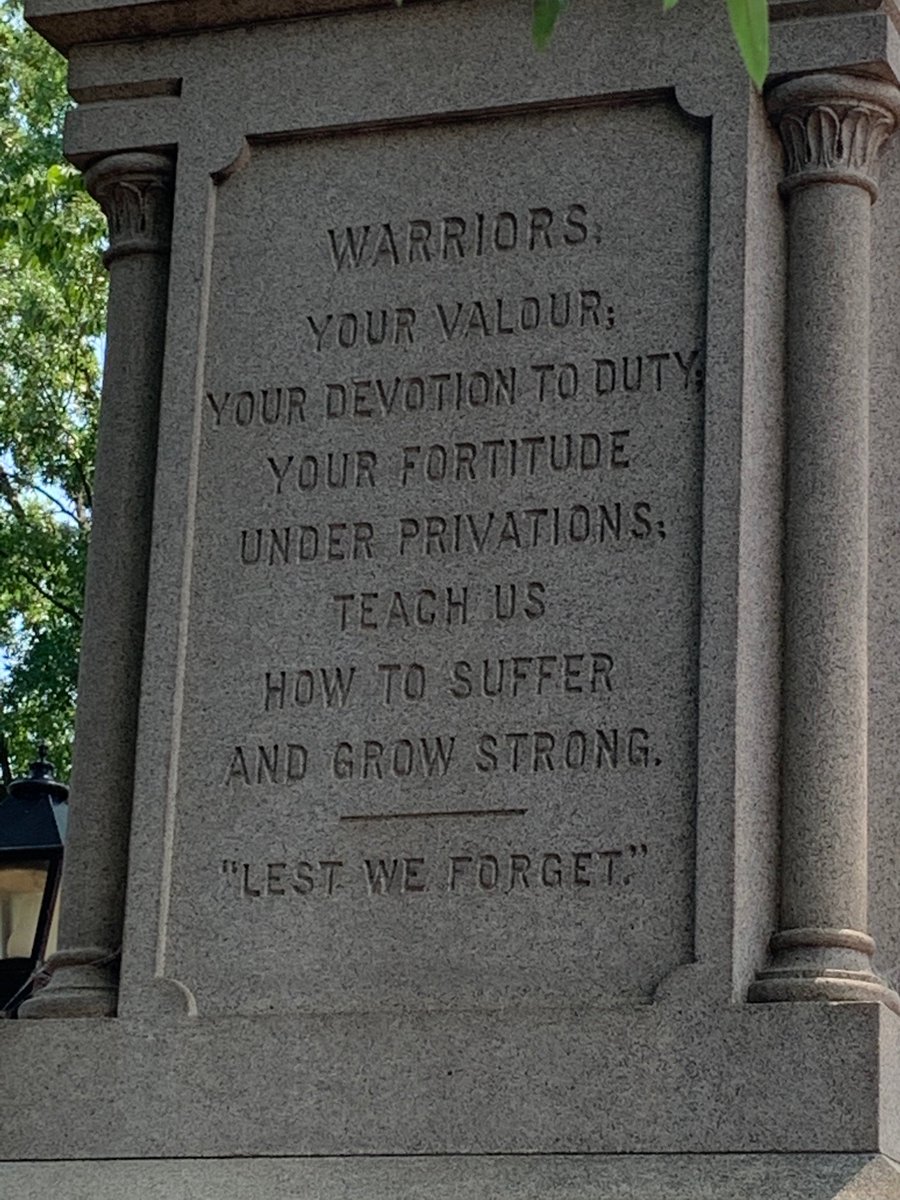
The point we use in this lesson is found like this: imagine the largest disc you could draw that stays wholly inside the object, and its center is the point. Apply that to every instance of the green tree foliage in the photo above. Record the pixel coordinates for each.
(749, 23)
(52, 307)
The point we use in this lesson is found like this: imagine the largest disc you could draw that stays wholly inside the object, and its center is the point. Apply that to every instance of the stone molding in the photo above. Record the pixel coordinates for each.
(68, 23)
(135, 192)
(833, 128)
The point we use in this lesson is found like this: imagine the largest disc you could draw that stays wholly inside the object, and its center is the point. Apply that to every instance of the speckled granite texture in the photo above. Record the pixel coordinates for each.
(491, 627)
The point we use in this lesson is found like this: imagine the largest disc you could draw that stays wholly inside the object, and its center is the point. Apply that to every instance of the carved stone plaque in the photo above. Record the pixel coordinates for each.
(440, 692)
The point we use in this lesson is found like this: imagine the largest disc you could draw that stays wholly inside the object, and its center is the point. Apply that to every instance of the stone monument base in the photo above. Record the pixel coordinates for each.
(454, 1177)
(664, 1102)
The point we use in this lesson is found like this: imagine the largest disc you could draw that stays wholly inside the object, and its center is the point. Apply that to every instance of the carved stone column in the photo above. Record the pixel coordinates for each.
(833, 128)
(135, 192)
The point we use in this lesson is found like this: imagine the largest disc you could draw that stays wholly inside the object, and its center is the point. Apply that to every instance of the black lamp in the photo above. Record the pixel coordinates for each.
(32, 832)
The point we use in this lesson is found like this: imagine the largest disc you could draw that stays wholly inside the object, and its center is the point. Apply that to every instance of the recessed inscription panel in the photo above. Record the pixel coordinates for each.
(440, 696)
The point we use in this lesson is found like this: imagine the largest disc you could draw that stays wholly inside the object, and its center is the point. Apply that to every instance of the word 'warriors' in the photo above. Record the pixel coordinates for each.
(460, 236)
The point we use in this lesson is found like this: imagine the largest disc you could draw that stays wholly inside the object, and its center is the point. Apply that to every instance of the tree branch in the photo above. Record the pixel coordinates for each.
(57, 603)
(5, 768)
(88, 495)
(58, 503)
(25, 484)
(8, 492)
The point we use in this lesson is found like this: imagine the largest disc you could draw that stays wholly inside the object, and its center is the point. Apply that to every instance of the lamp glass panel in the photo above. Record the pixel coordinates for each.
(21, 894)
(53, 932)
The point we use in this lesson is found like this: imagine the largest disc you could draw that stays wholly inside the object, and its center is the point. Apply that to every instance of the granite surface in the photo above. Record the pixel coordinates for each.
(456, 813)
(445, 568)
(665, 1177)
(658, 1078)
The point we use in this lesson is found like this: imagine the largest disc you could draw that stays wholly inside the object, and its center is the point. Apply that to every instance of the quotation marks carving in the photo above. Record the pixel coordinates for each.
(639, 851)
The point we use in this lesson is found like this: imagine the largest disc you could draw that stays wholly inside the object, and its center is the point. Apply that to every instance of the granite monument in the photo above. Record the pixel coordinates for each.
(485, 769)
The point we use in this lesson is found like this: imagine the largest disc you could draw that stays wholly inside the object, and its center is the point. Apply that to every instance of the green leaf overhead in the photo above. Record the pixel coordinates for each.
(749, 22)
(544, 17)
(750, 25)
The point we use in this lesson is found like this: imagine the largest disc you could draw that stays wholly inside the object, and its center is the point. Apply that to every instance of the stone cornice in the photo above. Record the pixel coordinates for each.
(66, 23)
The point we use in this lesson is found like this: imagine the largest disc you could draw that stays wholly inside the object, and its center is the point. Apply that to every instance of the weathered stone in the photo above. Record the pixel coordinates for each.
(491, 709)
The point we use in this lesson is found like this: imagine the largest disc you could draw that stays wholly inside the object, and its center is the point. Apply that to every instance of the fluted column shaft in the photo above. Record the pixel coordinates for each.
(134, 191)
(833, 128)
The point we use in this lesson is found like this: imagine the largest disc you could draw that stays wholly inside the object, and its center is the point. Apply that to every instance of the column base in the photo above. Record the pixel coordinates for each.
(83, 983)
(773, 986)
(822, 964)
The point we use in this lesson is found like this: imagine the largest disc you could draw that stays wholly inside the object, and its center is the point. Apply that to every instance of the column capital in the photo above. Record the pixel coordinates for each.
(135, 192)
(834, 127)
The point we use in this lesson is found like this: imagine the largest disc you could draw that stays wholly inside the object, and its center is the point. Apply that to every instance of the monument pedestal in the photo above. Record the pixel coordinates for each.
(659, 1080)
(485, 772)
(670, 1101)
